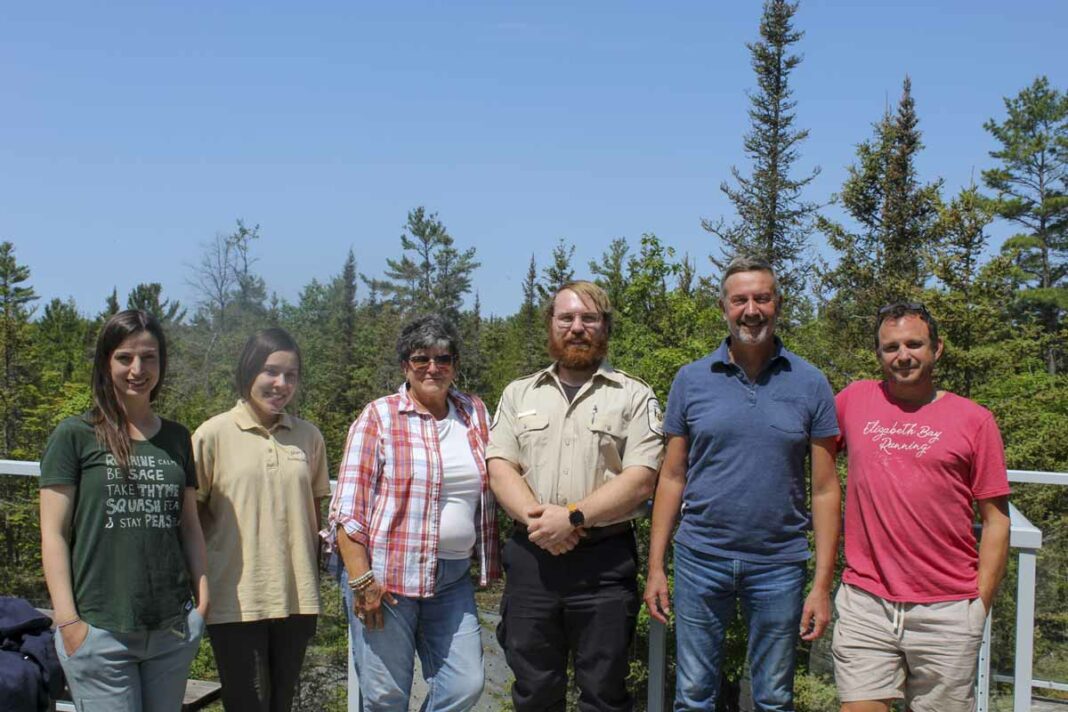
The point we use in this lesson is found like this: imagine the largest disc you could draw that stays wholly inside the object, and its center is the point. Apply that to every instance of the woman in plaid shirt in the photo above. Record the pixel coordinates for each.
(412, 506)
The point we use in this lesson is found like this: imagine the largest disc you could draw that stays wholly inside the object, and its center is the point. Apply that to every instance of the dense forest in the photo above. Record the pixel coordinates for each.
(892, 235)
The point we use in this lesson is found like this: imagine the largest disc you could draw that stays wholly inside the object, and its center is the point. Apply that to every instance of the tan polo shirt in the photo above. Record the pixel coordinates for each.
(257, 491)
(565, 450)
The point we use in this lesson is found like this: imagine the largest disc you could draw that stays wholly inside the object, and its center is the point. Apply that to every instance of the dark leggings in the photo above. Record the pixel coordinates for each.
(259, 661)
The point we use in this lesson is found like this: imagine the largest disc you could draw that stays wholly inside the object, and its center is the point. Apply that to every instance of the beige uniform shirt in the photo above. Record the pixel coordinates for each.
(258, 491)
(565, 450)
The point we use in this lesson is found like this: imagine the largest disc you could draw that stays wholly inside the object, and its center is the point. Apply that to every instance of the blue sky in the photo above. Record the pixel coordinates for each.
(131, 132)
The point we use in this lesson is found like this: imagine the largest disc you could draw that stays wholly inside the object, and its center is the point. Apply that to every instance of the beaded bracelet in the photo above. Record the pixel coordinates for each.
(362, 581)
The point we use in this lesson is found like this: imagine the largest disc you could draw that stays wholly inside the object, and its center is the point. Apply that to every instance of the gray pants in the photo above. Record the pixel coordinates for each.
(132, 672)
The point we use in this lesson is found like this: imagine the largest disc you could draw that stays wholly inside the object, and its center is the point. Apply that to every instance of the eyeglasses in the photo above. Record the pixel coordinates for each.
(421, 361)
(588, 319)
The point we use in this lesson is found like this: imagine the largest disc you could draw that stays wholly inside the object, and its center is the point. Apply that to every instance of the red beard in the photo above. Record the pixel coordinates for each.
(578, 356)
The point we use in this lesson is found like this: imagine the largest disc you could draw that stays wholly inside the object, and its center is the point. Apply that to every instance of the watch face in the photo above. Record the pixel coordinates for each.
(577, 518)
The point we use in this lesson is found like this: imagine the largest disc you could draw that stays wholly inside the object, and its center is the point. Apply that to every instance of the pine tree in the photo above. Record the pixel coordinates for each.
(559, 271)
(16, 371)
(970, 305)
(773, 222)
(610, 270)
(436, 276)
(888, 257)
(530, 332)
(1032, 193)
(148, 297)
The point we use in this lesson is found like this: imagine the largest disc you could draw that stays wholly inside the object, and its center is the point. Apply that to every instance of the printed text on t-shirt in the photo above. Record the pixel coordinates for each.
(902, 437)
(141, 498)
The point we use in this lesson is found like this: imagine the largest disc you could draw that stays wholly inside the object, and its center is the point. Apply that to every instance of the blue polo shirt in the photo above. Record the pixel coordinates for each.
(745, 483)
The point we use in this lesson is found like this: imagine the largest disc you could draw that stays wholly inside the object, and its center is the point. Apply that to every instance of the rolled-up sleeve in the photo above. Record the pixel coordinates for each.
(356, 480)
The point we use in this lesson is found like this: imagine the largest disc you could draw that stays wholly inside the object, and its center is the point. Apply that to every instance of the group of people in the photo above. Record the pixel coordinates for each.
(573, 454)
(149, 536)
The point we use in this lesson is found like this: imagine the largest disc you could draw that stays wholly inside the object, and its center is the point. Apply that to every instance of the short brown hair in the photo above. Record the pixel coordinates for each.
(898, 310)
(588, 291)
(257, 350)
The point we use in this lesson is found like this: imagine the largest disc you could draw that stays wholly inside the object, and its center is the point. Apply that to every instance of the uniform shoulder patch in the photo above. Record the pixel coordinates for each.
(655, 415)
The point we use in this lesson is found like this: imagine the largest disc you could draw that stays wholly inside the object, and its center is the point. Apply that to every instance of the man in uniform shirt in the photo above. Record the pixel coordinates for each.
(740, 423)
(573, 455)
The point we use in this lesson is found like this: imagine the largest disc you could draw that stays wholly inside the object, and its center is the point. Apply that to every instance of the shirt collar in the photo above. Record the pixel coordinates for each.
(721, 357)
(246, 419)
(459, 399)
(604, 370)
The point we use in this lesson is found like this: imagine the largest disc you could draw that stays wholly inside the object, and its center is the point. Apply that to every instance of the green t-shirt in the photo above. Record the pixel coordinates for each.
(129, 572)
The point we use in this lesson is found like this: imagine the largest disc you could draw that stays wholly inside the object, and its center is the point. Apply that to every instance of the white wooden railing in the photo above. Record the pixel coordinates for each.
(1025, 538)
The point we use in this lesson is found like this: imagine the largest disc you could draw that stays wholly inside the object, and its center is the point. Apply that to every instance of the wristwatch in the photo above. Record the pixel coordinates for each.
(575, 515)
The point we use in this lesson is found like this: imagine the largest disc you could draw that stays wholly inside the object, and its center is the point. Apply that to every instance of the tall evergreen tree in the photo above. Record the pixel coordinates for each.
(16, 370)
(436, 276)
(773, 222)
(611, 270)
(149, 297)
(111, 306)
(62, 344)
(1032, 193)
(971, 299)
(559, 270)
(530, 333)
(888, 256)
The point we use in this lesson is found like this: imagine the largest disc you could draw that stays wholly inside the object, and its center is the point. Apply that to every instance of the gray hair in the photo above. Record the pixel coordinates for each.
(428, 332)
(746, 263)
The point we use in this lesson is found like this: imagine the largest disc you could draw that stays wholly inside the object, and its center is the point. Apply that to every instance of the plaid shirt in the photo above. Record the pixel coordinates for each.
(389, 489)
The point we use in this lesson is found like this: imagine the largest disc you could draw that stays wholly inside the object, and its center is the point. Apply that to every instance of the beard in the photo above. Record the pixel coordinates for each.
(578, 353)
(754, 333)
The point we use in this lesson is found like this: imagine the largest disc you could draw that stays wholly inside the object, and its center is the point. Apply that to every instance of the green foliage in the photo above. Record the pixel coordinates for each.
(1032, 193)
(431, 275)
(888, 257)
(773, 222)
(905, 243)
(813, 693)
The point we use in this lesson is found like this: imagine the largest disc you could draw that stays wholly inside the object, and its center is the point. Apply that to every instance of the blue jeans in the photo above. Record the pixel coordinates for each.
(443, 630)
(707, 590)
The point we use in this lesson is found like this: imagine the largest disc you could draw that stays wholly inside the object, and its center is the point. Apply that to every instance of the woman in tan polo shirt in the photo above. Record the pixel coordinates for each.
(261, 476)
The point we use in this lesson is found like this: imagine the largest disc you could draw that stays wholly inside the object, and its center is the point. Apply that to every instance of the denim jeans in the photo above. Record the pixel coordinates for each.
(443, 630)
(707, 591)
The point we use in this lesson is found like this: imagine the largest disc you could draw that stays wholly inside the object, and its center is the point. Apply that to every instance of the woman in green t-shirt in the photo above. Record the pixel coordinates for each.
(121, 544)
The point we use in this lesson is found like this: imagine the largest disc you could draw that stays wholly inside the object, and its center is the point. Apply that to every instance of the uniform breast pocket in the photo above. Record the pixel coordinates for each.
(611, 441)
(532, 431)
(790, 417)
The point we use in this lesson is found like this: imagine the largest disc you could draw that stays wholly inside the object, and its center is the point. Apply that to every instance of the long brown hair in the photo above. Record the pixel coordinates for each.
(107, 415)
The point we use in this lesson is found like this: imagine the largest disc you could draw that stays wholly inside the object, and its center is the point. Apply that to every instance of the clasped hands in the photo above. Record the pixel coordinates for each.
(549, 526)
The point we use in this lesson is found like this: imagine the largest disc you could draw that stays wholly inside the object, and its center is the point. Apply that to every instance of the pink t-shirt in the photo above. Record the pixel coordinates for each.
(913, 475)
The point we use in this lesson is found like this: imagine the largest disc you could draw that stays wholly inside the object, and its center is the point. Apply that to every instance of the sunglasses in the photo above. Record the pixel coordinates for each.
(904, 306)
(421, 361)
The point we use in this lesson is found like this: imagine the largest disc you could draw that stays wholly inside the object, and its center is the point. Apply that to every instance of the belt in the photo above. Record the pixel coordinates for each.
(593, 534)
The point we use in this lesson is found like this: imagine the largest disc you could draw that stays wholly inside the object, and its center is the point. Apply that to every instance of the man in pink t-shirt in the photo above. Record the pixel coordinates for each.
(916, 591)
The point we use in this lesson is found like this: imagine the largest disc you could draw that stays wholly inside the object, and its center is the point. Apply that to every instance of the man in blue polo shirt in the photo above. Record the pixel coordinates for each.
(739, 425)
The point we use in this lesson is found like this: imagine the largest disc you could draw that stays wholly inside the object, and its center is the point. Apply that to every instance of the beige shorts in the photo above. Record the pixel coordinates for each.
(924, 653)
